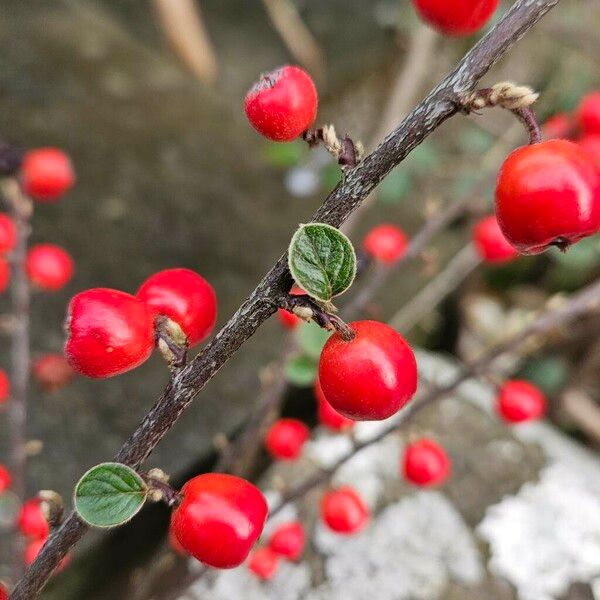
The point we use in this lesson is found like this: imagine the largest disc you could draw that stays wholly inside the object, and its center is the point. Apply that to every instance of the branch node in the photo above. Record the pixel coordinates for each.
(346, 151)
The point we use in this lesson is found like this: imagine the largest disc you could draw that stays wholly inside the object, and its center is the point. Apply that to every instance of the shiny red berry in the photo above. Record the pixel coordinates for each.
(5, 478)
(49, 267)
(8, 234)
(344, 511)
(46, 174)
(426, 463)
(558, 126)
(183, 296)
(174, 543)
(263, 563)
(285, 439)
(4, 275)
(459, 17)
(109, 332)
(520, 401)
(31, 521)
(52, 372)
(548, 194)
(219, 519)
(327, 415)
(288, 540)
(386, 243)
(4, 386)
(282, 104)
(490, 243)
(588, 113)
(3, 592)
(591, 144)
(371, 377)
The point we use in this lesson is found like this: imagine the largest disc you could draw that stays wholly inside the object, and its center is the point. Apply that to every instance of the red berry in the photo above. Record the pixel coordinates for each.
(219, 519)
(288, 540)
(52, 372)
(327, 415)
(110, 332)
(490, 242)
(3, 592)
(49, 267)
(282, 104)
(5, 478)
(47, 173)
(371, 377)
(285, 439)
(4, 386)
(8, 234)
(263, 563)
(386, 243)
(33, 549)
(344, 511)
(548, 194)
(426, 463)
(558, 126)
(183, 296)
(31, 521)
(459, 17)
(287, 319)
(520, 401)
(4, 275)
(588, 113)
(591, 144)
(174, 543)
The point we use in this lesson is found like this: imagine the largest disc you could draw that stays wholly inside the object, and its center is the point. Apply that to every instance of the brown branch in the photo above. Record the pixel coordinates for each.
(442, 103)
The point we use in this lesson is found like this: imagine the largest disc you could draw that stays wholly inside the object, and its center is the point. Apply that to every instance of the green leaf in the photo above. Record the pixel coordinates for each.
(301, 370)
(322, 261)
(311, 339)
(109, 495)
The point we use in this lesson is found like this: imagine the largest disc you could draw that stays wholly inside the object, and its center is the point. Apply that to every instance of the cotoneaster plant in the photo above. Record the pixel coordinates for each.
(8, 234)
(456, 18)
(386, 243)
(490, 243)
(4, 386)
(425, 463)
(49, 267)
(588, 113)
(519, 401)
(328, 416)
(5, 479)
(4, 275)
(288, 540)
(286, 438)
(263, 563)
(47, 174)
(344, 511)
(31, 521)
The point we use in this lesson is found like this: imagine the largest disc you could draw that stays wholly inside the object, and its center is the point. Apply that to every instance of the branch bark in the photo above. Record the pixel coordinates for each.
(443, 102)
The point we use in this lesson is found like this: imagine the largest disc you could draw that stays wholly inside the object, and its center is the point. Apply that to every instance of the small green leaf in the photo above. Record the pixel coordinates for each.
(109, 495)
(322, 261)
(311, 339)
(301, 370)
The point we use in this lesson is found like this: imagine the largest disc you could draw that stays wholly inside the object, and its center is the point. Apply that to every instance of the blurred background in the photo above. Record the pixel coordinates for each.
(147, 98)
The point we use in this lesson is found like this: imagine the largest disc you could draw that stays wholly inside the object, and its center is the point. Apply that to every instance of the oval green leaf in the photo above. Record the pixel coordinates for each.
(322, 261)
(109, 495)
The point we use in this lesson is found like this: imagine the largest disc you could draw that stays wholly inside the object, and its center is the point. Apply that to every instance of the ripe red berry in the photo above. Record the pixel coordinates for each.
(52, 372)
(591, 143)
(34, 547)
(426, 463)
(520, 401)
(183, 296)
(31, 521)
(282, 104)
(459, 17)
(174, 543)
(4, 386)
(548, 194)
(386, 243)
(490, 243)
(5, 478)
(588, 113)
(288, 319)
(49, 267)
(4, 275)
(285, 439)
(46, 174)
(344, 511)
(219, 519)
(288, 540)
(110, 332)
(8, 234)
(558, 126)
(3, 592)
(327, 415)
(371, 377)
(263, 563)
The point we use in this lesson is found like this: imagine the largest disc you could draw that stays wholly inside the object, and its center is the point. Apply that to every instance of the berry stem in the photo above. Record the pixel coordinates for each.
(161, 491)
(529, 121)
(171, 342)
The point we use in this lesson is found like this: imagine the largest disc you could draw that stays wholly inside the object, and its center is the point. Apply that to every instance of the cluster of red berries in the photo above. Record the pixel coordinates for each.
(111, 332)
(456, 18)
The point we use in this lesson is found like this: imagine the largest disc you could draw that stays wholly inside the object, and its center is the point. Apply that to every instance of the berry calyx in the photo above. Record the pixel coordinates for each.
(4, 386)
(327, 415)
(46, 174)
(32, 522)
(219, 519)
(285, 439)
(344, 511)
(288, 540)
(183, 296)
(557, 127)
(8, 234)
(370, 377)
(588, 113)
(4, 275)
(591, 144)
(459, 17)
(263, 563)
(52, 372)
(490, 243)
(5, 479)
(386, 243)
(109, 332)
(49, 267)
(282, 104)
(426, 463)
(520, 401)
(548, 194)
